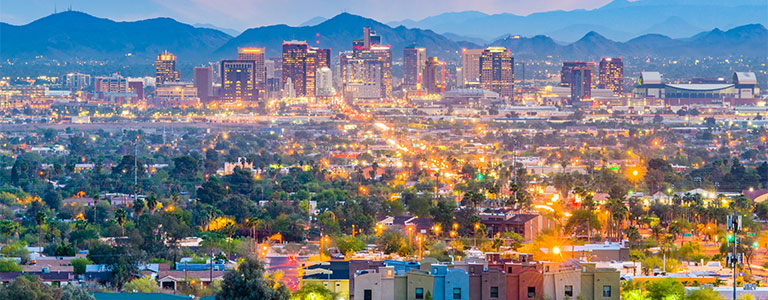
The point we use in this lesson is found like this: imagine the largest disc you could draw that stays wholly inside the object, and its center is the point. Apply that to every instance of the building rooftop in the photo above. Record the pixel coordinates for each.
(701, 87)
(650, 77)
(744, 78)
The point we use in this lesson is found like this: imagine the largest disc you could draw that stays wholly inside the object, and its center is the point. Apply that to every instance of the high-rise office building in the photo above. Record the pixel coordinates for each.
(470, 66)
(324, 82)
(567, 70)
(238, 81)
(370, 38)
(136, 87)
(111, 84)
(581, 84)
(310, 71)
(77, 81)
(323, 57)
(165, 68)
(414, 59)
(203, 81)
(294, 64)
(497, 71)
(366, 71)
(611, 75)
(260, 75)
(434, 76)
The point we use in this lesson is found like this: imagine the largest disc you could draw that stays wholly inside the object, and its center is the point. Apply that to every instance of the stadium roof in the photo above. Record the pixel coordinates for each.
(651, 77)
(744, 78)
(701, 87)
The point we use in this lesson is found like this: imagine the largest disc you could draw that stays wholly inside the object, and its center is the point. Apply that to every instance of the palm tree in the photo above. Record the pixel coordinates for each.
(40, 220)
(120, 216)
(152, 204)
(138, 207)
(8, 227)
(618, 213)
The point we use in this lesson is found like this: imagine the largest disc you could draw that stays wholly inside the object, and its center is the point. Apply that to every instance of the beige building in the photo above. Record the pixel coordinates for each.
(375, 284)
(561, 281)
(599, 283)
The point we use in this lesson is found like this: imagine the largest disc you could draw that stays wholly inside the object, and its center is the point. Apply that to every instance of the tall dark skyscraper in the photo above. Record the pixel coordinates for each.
(611, 75)
(323, 57)
(569, 66)
(165, 68)
(434, 76)
(294, 64)
(581, 84)
(203, 77)
(497, 71)
(238, 81)
(414, 59)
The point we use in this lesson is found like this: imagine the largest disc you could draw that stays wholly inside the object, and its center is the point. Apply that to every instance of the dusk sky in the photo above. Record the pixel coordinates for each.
(242, 14)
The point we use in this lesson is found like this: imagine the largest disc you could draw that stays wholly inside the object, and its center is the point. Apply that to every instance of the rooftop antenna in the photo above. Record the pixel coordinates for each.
(54, 8)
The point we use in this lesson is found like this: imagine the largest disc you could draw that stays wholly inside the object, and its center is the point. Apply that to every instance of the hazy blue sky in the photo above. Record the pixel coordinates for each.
(241, 14)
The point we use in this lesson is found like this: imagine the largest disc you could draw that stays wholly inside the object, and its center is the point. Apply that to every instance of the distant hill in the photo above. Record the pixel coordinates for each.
(748, 40)
(229, 31)
(338, 33)
(70, 35)
(625, 19)
(314, 21)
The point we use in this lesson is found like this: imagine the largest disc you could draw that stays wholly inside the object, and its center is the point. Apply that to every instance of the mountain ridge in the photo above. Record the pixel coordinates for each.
(72, 36)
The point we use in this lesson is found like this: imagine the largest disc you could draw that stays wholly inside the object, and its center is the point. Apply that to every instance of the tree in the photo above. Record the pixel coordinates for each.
(120, 216)
(64, 250)
(211, 192)
(417, 205)
(248, 282)
(8, 227)
(79, 264)
(72, 292)
(152, 203)
(185, 167)
(52, 199)
(9, 265)
(660, 289)
(704, 294)
(122, 262)
(348, 244)
(761, 210)
(313, 291)
(27, 287)
(582, 222)
(40, 220)
(143, 284)
(443, 213)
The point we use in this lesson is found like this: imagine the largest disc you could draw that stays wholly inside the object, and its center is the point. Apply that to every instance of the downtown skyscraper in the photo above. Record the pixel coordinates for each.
(366, 71)
(203, 81)
(611, 75)
(260, 71)
(581, 84)
(470, 66)
(414, 59)
(300, 63)
(165, 68)
(434, 76)
(497, 71)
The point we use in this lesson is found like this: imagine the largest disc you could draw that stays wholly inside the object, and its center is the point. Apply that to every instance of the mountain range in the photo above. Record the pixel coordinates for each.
(71, 35)
(619, 20)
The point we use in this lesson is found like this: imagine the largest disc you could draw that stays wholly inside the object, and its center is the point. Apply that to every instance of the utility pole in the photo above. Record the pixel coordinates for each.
(135, 169)
(734, 224)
